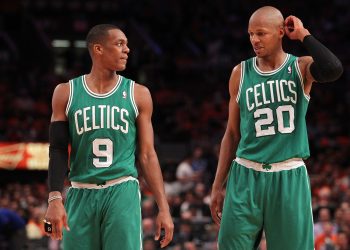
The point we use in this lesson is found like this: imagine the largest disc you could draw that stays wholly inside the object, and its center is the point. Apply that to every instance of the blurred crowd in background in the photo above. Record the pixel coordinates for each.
(183, 51)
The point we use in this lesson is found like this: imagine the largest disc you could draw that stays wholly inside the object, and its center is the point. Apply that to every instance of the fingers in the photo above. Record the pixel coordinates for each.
(216, 214)
(56, 231)
(216, 208)
(164, 230)
(157, 233)
(53, 228)
(169, 231)
(292, 22)
(289, 24)
(47, 227)
(65, 223)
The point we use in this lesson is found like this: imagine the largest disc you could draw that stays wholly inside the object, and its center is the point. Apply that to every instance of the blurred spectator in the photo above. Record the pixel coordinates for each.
(35, 227)
(148, 227)
(149, 243)
(12, 230)
(342, 242)
(185, 174)
(324, 217)
(327, 239)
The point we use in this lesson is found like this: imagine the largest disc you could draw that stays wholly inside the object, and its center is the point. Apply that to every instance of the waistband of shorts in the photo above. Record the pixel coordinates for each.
(103, 185)
(271, 167)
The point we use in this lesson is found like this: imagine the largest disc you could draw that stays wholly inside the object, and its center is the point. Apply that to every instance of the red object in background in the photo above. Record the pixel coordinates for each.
(24, 156)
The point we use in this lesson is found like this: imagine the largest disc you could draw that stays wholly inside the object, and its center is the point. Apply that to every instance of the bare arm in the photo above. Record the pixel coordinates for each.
(59, 102)
(149, 162)
(228, 147)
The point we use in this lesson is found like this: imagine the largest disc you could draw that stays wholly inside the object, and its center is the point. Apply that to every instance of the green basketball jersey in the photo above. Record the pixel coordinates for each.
(272, 107)
(102, 131)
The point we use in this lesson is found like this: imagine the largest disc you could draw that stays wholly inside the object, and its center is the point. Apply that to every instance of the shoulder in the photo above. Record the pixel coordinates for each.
(61, 91)
(59, 102)
(237, 69)
(235, 79)
(142, 96)
(304, 62)
(141, 89)
(61, 94)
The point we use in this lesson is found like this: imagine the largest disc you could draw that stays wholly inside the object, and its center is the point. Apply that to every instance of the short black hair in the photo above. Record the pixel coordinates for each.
(98, 33)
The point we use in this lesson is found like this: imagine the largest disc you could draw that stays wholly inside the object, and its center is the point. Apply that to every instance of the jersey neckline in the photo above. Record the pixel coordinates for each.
(266, 73)
(96, 95)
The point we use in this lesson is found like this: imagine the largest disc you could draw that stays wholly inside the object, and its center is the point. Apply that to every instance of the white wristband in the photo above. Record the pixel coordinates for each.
(54, 197)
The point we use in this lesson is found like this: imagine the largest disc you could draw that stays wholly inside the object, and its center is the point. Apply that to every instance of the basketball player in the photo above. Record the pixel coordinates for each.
(103, 115)
(268, 187)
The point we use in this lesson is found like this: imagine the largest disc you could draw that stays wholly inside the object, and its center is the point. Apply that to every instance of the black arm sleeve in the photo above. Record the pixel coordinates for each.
(58, 153)
(326, 66)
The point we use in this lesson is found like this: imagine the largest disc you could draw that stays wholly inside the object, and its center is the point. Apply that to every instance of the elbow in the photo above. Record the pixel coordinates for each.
(231, 139)
(236, 138)
(338, 70)
(328, 73)
(146, 157)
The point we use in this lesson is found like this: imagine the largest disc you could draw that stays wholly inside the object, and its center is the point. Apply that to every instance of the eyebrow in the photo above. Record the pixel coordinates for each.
(122, 40)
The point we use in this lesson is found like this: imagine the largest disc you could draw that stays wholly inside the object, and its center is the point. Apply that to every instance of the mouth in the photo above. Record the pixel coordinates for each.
(257, 49)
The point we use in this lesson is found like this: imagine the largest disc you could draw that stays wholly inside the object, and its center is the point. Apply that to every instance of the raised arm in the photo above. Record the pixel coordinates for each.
(150, 164)
(322, 65)
(228, 147)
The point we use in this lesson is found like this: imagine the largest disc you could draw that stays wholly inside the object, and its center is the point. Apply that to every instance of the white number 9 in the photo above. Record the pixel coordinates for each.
(102, 148)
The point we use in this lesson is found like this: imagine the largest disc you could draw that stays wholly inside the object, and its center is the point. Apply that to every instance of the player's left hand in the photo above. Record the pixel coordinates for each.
(294, 28)
(217, 201)
(164, 221)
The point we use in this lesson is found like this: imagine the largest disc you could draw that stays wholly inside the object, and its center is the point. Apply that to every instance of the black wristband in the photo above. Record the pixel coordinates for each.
(326, 66)
(58, 152)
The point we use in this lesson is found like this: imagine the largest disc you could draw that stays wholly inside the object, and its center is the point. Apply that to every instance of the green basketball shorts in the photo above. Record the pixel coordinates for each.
(274, 198)
(104, 218)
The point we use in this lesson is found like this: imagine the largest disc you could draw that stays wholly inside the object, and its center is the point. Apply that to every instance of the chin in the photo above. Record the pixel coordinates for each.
(121, 68)
(260, 55)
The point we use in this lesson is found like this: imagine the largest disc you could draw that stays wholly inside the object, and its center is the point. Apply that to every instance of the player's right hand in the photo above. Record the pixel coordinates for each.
(217, 201)
(57, 216)
(294, 28)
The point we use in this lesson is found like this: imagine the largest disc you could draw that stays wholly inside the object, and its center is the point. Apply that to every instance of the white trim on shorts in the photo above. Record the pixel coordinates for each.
(273, 167)
(109, 183)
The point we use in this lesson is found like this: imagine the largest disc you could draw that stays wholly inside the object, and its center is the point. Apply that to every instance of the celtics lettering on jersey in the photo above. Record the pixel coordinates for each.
(272, 109)
(273, 91)
(99, 117)
(103, 131)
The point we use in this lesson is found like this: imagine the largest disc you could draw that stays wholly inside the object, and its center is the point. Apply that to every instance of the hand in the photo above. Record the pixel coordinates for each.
(294, 28)
(217, 201)
(56, 215)
(164, 221)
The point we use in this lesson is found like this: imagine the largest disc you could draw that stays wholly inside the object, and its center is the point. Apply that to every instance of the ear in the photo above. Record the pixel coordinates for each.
(281, 32)
(98, 49)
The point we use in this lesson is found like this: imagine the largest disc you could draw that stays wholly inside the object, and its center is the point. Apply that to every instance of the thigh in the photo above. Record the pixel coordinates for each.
(288, 213)
(121, 221)
(242, 219)
(83, 219)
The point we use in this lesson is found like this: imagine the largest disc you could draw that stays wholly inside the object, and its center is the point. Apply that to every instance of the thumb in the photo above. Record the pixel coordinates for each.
(157, 235)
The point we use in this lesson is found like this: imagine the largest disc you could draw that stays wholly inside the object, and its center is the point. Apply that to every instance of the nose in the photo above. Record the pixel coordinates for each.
(126, 49)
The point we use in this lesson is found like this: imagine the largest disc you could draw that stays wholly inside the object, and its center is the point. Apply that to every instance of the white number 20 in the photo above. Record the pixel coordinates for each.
(103, 149)
(270, 130)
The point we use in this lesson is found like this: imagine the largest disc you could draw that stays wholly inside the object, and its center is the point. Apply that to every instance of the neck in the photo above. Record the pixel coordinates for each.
(271, 62)
(101, 80)
(102, 74)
